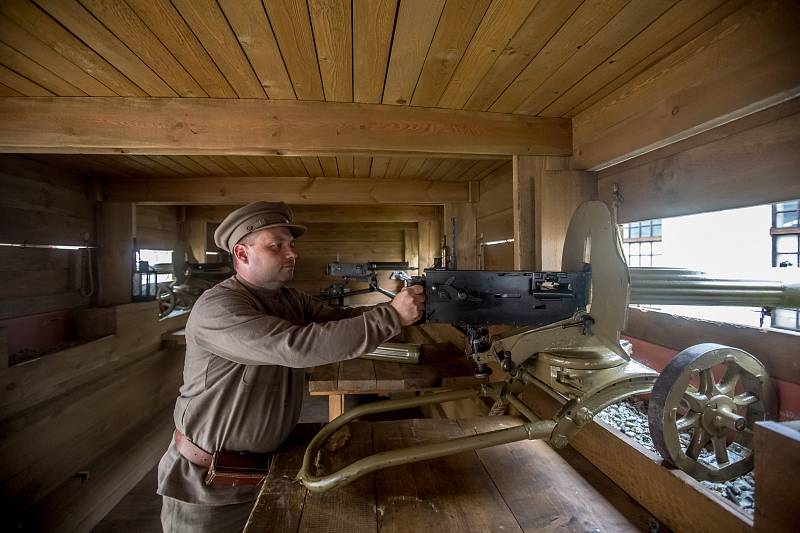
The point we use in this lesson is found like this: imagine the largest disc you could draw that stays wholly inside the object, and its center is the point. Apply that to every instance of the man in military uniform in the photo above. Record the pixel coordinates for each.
(248, 341)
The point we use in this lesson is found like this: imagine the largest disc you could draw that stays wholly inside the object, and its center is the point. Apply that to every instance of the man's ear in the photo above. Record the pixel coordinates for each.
(240, 252)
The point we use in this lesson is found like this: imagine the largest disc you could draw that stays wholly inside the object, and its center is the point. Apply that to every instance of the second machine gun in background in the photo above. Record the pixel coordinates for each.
(364, 272)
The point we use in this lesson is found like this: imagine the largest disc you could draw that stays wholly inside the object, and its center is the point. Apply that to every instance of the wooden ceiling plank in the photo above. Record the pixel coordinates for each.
(36, 73)
(262, 165)
(500, 168)
(413, 34)
(442, 170)
(269, 127)
(213, 168)
(362, 166)
(129, 28)
(460, 19)
(245, 166)
(254, 33)
(395, 168)
(134, 163)
(313, 168)
(295, 166)
(744, 64)
(281, 167)
(478, 168)
(51, 33)
(412, 167)
(373, 22)
(292, 26)
(626, 25)
(545, 20)
(695, 30)
(88, 29)
(122, 165)
(211, 28)
(429, 167)
(167, 24)
(653, 38)
(31, 47)
(581, 26)
(79, 165)
(379, 167)
(226, 164)
(332, 22)
(329, 167)
(154, 167)
(5, 90)
(503, 19)
(171, 164)
(458, 171)
(21, 84)
(196, 169)
(346, 166)
(293, 190)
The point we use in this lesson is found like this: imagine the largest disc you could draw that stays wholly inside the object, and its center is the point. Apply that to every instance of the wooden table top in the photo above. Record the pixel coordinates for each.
(523, 486)
(442, 365)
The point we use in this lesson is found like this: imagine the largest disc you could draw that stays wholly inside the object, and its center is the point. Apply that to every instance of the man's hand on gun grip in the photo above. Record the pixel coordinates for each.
(410, 304)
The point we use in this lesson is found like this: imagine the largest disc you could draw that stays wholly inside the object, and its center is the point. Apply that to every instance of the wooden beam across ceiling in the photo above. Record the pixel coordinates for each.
(292, 190)
(267, 127)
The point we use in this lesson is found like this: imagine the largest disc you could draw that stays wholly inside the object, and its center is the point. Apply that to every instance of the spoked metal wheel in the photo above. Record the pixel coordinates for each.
(687, 398)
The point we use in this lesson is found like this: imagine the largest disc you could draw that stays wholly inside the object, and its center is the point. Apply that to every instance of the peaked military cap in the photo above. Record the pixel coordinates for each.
(254, 217)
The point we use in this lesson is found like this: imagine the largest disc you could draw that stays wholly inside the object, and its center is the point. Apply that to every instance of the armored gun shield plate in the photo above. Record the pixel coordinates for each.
(688, 404)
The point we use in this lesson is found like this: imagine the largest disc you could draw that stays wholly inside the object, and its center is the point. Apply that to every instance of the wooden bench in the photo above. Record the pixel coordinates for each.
(523, 486)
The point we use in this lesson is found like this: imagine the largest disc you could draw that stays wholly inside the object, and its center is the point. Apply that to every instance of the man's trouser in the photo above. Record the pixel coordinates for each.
(182, 517)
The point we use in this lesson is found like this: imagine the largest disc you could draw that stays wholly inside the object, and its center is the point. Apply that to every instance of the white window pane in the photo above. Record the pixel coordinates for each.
(784, 318)
(656, 248)
(646, 262)
(635, 248)
(635, 261)
(646, 248)
(786, 244)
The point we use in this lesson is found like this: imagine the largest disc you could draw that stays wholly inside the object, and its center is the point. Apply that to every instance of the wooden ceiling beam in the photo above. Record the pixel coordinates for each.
(292, 190)
(746, 63)
(267, 127)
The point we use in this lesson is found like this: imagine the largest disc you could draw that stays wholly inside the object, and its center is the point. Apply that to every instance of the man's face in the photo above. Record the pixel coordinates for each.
(269, 261)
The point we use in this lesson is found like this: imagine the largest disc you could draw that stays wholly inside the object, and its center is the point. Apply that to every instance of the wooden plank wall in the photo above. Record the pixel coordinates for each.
(156, 226)
(65, 412)
(42, 205)
(495, 218)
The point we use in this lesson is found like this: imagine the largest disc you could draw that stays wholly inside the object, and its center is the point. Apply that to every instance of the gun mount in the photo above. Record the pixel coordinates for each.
(568, 345)
(362, 272)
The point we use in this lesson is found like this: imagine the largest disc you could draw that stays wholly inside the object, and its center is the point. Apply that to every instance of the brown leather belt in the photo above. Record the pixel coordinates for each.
(191, 451)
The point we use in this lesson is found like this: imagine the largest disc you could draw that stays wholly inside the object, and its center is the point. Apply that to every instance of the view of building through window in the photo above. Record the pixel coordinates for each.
(158, 257)
(760, 242)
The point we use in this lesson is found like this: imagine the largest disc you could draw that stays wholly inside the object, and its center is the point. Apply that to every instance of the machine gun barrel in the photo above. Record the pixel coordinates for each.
(669, 286)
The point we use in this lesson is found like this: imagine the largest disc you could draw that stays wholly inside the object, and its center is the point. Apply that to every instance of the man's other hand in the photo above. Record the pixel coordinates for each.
(409, 304)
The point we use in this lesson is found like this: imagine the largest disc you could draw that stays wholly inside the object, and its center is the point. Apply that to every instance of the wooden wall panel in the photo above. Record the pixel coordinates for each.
(751, 161)
(42, 205)
(156, 226)
(495, 219)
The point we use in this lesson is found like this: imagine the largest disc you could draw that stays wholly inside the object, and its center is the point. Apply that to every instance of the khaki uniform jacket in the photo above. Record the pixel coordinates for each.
(246, 350)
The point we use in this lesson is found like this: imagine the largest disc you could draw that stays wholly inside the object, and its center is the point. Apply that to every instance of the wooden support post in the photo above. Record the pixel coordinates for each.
(430, 236)
(411, 249)
(525, 169)
(466, 233)
(777, 448)
(115, 228)
(335, 405)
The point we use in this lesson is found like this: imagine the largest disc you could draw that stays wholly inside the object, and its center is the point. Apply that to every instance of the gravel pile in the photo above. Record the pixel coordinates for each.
(630, 417)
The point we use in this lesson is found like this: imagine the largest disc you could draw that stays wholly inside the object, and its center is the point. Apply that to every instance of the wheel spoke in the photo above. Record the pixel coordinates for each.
(744, 399)
(688, 421)
(698, 442)
(720, 449)
(696, 401)
(707, 382)
(729, 380)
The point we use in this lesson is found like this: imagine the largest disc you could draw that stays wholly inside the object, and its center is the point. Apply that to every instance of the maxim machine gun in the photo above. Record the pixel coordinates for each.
(365, 272)
(568, 345)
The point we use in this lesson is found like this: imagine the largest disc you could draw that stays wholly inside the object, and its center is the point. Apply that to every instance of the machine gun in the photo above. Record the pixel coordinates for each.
(360, 272)
(568, 345)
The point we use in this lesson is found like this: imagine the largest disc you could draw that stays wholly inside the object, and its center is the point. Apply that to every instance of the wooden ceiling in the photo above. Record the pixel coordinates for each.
(520, 57)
